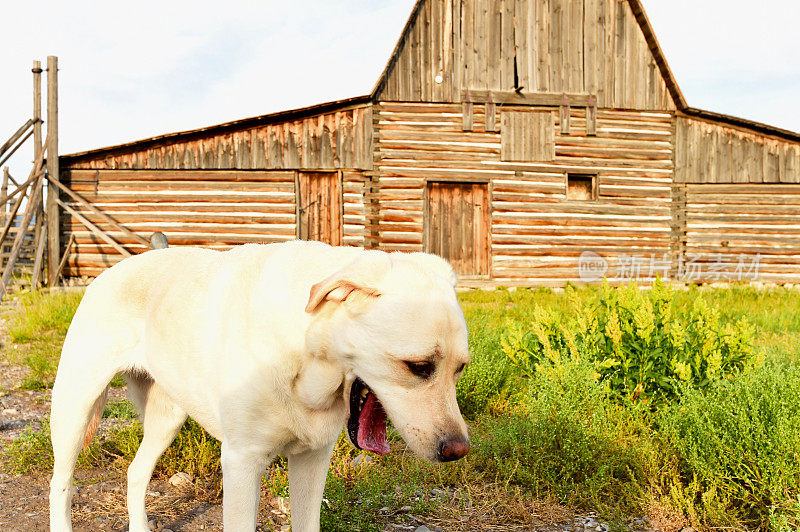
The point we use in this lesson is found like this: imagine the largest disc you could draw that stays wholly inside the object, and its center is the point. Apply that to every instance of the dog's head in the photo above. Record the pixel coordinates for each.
(394, 323)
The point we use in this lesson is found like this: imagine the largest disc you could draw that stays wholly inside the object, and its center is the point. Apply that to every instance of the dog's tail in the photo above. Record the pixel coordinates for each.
(97, 415)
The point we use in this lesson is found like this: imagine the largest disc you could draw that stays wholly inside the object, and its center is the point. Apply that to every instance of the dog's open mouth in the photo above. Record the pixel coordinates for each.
(367, 423)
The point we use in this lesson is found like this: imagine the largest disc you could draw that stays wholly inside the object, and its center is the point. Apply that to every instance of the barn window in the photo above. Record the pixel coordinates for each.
(527, 136)
(582, 187)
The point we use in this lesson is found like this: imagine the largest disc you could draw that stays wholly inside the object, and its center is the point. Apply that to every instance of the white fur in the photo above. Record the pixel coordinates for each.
(226, 338)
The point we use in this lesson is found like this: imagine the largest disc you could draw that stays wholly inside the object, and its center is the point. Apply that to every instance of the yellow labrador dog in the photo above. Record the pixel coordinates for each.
(273, 349)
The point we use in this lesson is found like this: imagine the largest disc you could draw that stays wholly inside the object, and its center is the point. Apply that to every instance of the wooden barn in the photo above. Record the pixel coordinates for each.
(529, 142)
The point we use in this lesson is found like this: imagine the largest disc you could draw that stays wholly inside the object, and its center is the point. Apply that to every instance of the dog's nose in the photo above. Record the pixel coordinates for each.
(453, 449)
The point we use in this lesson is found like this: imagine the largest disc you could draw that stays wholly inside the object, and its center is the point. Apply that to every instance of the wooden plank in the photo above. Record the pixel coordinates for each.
(620, 54)
(94, 229)
(564, 115)
(469, 47)
(4, 196)
(591, 116)
(458, 51)
(494, 58)
(490, 112)
(542, 50)
(591, 60)
(558, 66)
(522, 46)
(38, 261)
(64, 257)
(482, 44)
(534, 99)
(507, 45)
(466, 116)
(574, 45)
(16, 136)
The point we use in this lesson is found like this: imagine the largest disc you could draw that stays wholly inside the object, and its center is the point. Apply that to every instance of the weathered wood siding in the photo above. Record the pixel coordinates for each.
(562, 46)
(742, 232)
(537, 235)
(210, 208)
(341, 139)
(706, 152)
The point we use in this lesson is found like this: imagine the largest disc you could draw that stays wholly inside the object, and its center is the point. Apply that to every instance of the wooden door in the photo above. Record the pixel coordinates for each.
(319, 207)
(457, 225)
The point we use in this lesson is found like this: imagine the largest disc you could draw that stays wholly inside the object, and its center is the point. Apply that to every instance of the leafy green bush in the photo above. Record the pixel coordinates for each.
(569, 440)
(637, 341)
(740, 447)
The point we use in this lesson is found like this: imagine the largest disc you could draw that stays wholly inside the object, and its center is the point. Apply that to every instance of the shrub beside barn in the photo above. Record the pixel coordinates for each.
(528, 142)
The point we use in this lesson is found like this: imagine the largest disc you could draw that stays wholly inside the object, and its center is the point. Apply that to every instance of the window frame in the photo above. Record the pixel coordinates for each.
(595, 187)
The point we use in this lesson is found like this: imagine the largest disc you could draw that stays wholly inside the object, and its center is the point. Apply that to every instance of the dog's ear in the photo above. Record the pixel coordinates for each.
(357, 279)
(432, 263)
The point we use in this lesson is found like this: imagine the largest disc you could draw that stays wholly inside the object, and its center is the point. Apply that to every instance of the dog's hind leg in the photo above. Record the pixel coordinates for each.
(78, 399)
(161, 420)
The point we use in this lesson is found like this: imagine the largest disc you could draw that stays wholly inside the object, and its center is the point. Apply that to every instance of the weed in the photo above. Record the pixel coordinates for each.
(637, 341)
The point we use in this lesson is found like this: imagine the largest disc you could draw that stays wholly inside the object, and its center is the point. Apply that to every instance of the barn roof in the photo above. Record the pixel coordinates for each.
(237, 125)
(226, 127)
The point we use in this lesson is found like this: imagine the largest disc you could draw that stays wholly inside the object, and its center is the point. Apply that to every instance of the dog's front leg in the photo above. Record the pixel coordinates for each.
(307, 474)
(242, 469)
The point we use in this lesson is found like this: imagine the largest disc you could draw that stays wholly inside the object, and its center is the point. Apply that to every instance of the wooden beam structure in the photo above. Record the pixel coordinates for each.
(98, 212)
(543, 99)
(94, 229)
(15, 137)
(16, 248)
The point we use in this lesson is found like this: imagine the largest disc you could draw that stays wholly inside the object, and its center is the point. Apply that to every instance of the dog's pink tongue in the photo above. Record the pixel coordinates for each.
(372, 426)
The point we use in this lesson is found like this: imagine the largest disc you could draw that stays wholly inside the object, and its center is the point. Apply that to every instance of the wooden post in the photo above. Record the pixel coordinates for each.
(4, 195)
(53, 213)
(37, 151)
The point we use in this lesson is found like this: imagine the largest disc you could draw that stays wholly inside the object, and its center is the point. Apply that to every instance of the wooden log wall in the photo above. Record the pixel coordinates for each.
(537, 235)
(707, 152)
(570, 46)
(742, 232)
(211, 208)
(336, 140)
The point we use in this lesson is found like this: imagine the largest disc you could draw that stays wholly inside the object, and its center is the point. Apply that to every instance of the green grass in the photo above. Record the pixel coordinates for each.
(724, 455)
(38, 313)
(37, 325)
(120, 410)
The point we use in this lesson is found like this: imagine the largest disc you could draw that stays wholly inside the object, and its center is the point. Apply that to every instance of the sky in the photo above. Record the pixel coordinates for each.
(130, 70)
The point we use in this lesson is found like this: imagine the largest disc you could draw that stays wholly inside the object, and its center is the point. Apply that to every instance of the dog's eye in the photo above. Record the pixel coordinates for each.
(422, 370)
(460, 368)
